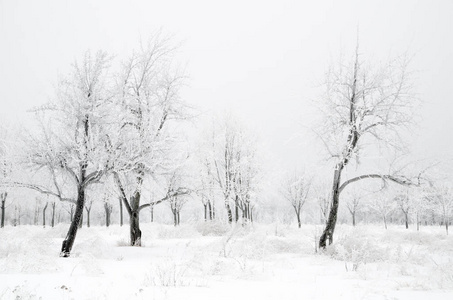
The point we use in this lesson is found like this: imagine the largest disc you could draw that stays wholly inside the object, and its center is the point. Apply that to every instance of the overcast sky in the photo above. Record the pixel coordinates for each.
(259, 59)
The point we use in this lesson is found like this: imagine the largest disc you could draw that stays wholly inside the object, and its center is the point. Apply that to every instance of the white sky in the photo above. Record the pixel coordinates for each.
(260, 59)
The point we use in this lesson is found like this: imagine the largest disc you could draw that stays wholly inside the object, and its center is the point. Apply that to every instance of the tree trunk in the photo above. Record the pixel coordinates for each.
(229, 213)
(418, 223)
(298, 219)
(179, 217)
(406, 220)
(446, 225)
(108, 211)
(353, 219)
(236, 208)
(211, 217)
(70, 237)
(385, 222)
(52, 221)
(135, 232)
(332, 220)
(151, 207)
(81, 220)
(205, 211)
(121, 212)
(3, 199)
(44, 215)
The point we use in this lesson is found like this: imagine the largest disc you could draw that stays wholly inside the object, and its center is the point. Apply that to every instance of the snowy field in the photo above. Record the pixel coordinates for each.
(211, 261)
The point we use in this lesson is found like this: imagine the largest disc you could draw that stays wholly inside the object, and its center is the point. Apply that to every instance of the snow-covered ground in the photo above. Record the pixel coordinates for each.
(211, 261)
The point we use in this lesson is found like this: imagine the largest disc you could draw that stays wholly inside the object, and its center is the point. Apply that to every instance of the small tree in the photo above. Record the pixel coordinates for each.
(295, 190)
(441, 199)
(383, 205)
(405, 205)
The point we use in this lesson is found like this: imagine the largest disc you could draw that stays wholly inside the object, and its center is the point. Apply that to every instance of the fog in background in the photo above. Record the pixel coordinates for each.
(261, 60)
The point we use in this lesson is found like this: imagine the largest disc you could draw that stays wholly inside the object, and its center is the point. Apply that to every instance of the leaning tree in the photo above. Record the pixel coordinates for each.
(71, 146)
(364, 104)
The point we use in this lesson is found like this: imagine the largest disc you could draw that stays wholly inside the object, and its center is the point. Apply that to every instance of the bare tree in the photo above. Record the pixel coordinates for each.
(232, 163)
(441, 199)
(72, 145)
(383, 205)
(295, 190)
(362, 103)
(404, 202)
(148, 99)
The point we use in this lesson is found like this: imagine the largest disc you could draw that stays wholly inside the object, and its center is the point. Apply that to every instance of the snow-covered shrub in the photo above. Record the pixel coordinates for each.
(213, 228)
(357, 249)
(178, 232)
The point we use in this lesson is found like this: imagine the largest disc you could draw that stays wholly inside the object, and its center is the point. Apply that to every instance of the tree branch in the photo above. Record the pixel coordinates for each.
(398, 180)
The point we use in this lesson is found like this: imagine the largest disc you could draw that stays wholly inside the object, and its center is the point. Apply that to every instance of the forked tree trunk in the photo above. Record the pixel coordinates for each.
(44, 215)
(70, 237)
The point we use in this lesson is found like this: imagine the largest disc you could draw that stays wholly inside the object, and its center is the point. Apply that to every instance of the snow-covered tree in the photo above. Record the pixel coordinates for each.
(232, 162)
(148, 102)
(362, 103)
(295, 189)
(71, 145)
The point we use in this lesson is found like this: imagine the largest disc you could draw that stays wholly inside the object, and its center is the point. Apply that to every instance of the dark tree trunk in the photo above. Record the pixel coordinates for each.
(135, 232)
(70, 237)
(52, 221)
(121, 211)
(108, 211)
(178, 217)
(205, 205)
(406, 220)
(80, 225)
(353, 219)
(229, 213)
(3, 201)
(236, 208)
(298, 219)
(151, 207)
(44, 215)
(210, 212)
(175, 221)
(332, 220)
